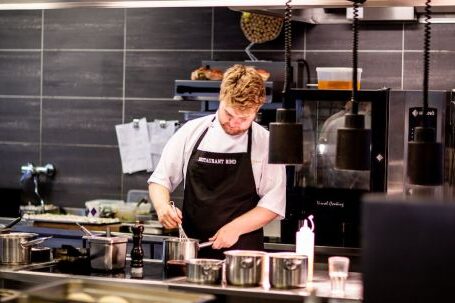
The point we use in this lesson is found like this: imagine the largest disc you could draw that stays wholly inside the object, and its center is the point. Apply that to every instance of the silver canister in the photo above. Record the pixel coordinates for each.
(107, 253)
(204, 271)
(244, 267)
(288, 270)
(13, 250)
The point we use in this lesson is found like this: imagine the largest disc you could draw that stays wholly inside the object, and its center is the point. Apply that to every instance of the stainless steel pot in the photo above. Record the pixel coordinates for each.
(204, 271)
(244, 267)
(107, 253)
(16, 247)
(288, 270)
(181, 249)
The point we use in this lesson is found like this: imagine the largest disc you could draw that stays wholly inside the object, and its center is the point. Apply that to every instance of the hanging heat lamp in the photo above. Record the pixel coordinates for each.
(353, 140)
(424, 163)
(286, 135)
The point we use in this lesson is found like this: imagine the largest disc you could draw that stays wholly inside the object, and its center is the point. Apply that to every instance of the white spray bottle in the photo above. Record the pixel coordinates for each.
(305, 244)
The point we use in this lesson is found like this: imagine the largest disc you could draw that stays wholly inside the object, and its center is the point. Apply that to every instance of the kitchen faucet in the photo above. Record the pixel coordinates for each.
(31, 171)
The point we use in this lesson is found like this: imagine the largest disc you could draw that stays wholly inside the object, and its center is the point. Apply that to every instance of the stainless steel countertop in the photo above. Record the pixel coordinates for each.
(320, 287)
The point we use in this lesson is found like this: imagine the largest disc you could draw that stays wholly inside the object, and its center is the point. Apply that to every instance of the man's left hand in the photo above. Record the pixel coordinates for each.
(225, 237)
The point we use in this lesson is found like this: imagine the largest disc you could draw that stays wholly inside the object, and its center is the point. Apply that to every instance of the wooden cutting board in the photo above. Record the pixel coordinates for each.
(115, 227)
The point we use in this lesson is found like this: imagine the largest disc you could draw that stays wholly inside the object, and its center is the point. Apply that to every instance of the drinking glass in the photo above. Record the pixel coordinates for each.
(338, 273)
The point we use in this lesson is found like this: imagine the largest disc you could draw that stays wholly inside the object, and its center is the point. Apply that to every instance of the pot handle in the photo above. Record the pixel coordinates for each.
(292, 265)
(246, 263)
(205, 244)
(34, 242)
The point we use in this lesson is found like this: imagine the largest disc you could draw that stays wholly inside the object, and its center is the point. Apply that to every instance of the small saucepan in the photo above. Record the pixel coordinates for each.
(175, 248)
(16, 247)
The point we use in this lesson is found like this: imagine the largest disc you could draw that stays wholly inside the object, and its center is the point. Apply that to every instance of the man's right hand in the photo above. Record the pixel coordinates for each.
(168, 217)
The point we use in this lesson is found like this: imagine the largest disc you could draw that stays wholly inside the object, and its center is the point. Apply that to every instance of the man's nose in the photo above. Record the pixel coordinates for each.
(235, 122)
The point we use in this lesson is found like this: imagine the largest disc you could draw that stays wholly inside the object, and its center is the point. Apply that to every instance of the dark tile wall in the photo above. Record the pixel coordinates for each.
(67, 77)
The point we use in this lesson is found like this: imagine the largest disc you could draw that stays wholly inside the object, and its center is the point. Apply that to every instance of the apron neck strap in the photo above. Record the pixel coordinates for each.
(196, 146)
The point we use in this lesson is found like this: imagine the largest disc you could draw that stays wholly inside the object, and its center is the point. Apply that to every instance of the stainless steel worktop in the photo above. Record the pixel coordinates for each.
(320, 287)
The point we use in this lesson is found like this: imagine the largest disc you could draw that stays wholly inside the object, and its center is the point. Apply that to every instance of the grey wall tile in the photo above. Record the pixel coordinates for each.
(442, 71)
(137, 180)
(158, 109)
(83, 172)
(20, 120)
(81, 121)
(152, 74)
(69, 198)
(20, 73)
(83, 74)
(83, 28)
(169, 28)
(12, 156)
(442, 37)
(242, 57)
(379, 69)
(20, 29)
(228, 33)
(339, 37)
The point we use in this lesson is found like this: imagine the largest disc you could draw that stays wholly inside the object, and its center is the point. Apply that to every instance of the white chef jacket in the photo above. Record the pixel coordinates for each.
(270, 179)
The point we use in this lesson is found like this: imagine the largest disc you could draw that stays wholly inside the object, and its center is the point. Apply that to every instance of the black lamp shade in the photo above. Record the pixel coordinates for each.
(353, 144)
(286, 139)
(424, 163)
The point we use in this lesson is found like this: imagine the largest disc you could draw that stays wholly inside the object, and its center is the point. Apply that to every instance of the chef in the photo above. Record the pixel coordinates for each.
(230, 190)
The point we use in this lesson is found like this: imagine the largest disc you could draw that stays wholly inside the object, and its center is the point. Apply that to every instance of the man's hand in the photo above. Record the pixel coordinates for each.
(167, 216)
(226, 236)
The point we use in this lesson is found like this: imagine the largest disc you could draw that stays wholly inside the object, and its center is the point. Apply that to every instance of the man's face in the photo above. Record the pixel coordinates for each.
(234, 121)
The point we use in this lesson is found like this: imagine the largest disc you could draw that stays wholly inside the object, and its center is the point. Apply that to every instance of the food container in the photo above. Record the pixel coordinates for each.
(244, 267)
(288, 270)
(16, 247)
(336, 77)
(204, 271)
(107, 253)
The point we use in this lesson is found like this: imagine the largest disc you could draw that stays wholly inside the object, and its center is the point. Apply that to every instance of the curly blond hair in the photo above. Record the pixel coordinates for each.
(242, 88)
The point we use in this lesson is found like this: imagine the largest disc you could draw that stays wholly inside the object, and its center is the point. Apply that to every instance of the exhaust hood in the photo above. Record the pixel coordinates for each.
(237, 4)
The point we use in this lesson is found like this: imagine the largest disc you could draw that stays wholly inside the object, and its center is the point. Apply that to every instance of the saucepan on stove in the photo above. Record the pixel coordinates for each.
(204, 271)
(288, 270)
(176, 250)
(16, 247)
(244, 267)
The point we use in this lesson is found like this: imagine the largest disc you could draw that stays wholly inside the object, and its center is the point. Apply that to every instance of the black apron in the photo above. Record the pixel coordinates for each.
(219, 187)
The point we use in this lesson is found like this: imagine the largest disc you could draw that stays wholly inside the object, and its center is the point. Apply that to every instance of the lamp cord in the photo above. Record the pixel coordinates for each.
(426, 59)
(287, 53)
(355, 47)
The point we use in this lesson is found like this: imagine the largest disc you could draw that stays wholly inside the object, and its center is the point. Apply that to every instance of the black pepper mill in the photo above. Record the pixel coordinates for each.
(137, 253)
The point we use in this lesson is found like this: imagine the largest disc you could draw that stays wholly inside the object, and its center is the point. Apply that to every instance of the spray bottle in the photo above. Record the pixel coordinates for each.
(305, 244)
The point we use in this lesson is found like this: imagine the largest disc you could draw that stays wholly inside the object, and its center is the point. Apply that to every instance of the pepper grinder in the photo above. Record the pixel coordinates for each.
(137, 253)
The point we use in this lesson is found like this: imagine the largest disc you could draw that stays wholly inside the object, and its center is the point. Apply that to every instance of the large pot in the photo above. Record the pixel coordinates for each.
(244, 267)
(204, 271)
(15, 248)
(288, 270)
(107, 253)
(175, 248)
